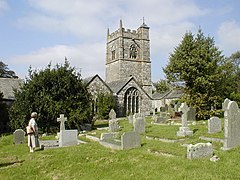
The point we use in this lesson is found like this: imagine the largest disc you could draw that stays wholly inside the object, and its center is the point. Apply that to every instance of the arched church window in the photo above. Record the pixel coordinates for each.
(131, 101)
(133, 51)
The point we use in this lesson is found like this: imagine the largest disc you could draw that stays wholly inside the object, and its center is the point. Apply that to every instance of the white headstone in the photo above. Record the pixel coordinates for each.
(19, 136)
(68, 138)
(214, 125)
(231, 125)
(62, 120)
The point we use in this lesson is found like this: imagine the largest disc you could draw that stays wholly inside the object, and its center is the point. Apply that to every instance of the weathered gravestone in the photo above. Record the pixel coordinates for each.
(139, 125)
(112, 114)
(191, 115)
(184, 130)
(231, 124)
(19, 136)
(113, 125)
(130, 140)
(66, 137)
(159, 119)
(130, 119)
(214, 125)
(199, 150)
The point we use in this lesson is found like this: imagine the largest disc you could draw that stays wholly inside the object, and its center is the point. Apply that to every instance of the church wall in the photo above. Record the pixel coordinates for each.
(97, 86)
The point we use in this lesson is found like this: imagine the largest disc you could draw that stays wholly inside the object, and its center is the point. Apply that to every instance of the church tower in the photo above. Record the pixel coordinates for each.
(128, 54)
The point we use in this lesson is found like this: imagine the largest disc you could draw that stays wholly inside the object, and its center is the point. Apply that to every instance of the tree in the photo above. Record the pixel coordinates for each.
(162, 86)
(5, 72)
(234, 59)
(105, 102)
(200, 65)
(51, 92)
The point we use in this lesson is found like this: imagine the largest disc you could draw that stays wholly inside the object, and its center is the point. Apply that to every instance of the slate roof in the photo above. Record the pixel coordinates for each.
(116, 86)
(172, 94)
(157, 95)
(7, 85)
(175, 93)
(88, 80)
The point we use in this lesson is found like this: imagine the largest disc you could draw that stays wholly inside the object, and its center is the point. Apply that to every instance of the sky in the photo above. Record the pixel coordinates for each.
(38, 32)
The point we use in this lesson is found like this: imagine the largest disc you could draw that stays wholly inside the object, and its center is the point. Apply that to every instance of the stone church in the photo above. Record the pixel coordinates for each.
(128, 71)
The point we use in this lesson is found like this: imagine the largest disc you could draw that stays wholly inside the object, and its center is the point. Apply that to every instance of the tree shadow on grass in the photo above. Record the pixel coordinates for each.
(2, 165)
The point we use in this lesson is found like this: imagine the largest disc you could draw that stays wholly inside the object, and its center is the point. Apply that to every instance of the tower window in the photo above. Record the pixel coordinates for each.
(133, 51)
(113, 55)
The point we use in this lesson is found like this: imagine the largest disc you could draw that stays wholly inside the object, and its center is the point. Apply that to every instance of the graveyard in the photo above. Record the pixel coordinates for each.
(161, 154)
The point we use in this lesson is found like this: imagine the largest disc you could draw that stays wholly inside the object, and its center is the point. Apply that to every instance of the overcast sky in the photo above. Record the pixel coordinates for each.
(36, 32)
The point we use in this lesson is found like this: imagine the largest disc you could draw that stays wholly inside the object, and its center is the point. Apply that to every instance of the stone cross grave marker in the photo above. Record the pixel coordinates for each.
(112, 114)
(184, 130)
(19, 136)
(184, 108)
(62, 120)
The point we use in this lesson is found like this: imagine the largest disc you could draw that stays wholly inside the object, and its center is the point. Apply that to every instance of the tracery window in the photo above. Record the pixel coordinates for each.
(131, 101)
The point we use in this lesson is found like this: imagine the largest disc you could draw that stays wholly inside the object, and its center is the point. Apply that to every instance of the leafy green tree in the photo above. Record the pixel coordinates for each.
(235, 60)
(5, 72)
(201, 66)
(105, 102)
(51, 92)
(162, 86)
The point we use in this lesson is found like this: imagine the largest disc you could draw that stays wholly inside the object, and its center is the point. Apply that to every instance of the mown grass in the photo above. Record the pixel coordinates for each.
(154, 160)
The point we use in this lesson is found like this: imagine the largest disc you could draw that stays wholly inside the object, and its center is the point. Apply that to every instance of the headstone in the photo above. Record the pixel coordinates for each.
(113, 125)
(159, 119)
(153, 112)
(68, 138)
(184, 130)
(112, 114)
(62, 120)
(19, 136)
(214, 125)
(130, 140)
(191, 115)
(139, 125)
(130, 119)
(231, 125)
(199, 150)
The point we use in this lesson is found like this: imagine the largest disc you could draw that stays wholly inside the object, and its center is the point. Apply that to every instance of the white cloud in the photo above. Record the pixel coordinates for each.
(229, 35)
(3, 6)
(88, 22)
(82, 18)
(85, 57)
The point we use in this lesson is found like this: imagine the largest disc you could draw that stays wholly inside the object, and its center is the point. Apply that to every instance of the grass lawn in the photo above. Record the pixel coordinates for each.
(154, 160)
